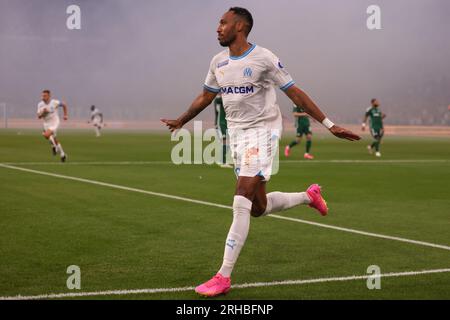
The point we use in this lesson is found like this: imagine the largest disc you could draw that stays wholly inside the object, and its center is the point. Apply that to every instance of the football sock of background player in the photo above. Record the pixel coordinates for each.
(308, 145)
(293, 143)
(53, 142)
(377, 145)
(97, 131)
(276, 201)
(60, 149)
(224, 152)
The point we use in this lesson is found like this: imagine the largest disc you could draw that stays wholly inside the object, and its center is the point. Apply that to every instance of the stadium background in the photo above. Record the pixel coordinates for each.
(143, 60)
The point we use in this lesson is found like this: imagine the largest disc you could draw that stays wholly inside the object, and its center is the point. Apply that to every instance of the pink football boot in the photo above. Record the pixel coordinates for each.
(317, 201)
(287, 150)
(214, 287)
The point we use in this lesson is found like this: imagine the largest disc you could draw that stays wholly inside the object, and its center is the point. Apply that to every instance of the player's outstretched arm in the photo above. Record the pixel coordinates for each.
(300, 98)
(363, 126)
(197, 106)
(64, 106)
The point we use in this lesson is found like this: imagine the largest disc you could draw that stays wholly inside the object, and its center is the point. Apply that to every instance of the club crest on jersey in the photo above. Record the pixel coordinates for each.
(248, 72)
(222, 64)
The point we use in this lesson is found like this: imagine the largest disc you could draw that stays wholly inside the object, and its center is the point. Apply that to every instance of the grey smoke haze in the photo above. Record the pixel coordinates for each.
(140, 59)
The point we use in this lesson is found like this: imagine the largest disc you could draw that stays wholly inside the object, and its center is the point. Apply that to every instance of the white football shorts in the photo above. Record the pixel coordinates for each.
(255, 152)
(52, 125)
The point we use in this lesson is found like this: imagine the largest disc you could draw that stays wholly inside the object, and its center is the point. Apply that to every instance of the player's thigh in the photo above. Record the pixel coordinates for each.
(377, 134)
(47, 133)
(248, 186)
(299, 133)
(373, 133)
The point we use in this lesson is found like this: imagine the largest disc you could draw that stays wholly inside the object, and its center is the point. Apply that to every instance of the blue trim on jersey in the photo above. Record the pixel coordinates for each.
(246, 53)
(211, 89)
(287, 85)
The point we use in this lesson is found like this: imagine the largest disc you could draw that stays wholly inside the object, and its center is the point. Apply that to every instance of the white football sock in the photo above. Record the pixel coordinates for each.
(97, 131)
(279, 201)
(237, 234)
(52, 141)
(61, 151)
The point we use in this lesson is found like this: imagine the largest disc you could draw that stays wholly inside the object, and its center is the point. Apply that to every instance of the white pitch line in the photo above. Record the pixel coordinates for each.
(157, 162)
(237, 286)
(87, 163)
(115, 186)
(370, 161)
(212, 204)
(370, 234)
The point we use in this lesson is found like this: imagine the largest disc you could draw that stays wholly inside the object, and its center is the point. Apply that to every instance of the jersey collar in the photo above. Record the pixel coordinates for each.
(246, 53)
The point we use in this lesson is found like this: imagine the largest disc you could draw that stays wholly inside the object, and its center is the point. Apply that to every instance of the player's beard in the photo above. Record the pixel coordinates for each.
(227, 42)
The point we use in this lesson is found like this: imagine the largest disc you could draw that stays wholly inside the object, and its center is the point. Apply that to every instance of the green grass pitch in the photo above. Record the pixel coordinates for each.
(128, 240)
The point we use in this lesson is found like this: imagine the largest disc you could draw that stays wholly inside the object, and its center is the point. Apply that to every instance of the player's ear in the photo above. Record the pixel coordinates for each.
(240, 25)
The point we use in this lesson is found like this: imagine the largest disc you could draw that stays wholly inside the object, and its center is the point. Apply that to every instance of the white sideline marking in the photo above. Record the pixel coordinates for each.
(370, 234)
(115, 186)
(370, 161)
(156, 162)
(237, 286)
(212, 204)
(129, 163)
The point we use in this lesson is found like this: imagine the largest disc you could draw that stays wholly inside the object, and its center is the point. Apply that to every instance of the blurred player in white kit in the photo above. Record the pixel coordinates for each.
(96, 120)
(47, 110)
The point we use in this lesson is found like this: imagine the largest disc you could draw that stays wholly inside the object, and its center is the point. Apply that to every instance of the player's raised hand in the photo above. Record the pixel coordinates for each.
(344, 133)
(172, 124)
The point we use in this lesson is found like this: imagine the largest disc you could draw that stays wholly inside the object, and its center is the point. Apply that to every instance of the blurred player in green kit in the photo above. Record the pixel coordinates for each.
(221, 126)
(303, 128)
(375, 117)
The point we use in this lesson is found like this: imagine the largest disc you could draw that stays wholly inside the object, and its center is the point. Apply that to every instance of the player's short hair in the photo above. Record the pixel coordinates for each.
(244, 14)
(46, 91)
(373, 100)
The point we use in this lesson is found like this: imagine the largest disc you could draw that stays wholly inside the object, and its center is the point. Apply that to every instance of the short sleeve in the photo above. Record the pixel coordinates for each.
(368, 112)
(57, 103)
(278, 73)
(211, 81)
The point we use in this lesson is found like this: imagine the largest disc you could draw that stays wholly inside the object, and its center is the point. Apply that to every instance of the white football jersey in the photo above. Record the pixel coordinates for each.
(96, 115)
(52, 108)
(247, 85)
